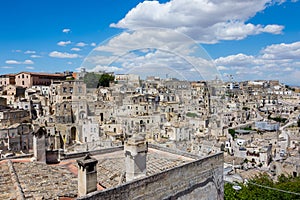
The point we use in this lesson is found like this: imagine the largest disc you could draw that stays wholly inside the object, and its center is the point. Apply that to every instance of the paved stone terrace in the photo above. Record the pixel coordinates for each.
(111, 168)
(41, 181)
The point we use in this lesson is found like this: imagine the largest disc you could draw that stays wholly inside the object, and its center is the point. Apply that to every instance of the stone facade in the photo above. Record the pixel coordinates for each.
(9, 117)
(28, 79)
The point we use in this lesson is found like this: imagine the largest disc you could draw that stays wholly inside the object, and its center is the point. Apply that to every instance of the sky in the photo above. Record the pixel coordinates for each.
(246, 40)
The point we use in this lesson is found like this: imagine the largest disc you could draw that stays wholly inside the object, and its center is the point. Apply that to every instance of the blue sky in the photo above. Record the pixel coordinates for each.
(257, 39)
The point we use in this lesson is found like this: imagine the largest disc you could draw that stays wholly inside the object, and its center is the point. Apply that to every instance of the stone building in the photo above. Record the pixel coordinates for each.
(7, 79)
(11, 92)
(290, 166)
(11, 116)
(3, 102)
(16, 137)
(28, 79)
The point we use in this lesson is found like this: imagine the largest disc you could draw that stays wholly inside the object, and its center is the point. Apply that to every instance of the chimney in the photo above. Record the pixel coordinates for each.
(135, 149)
(87, 175)
(39, 144)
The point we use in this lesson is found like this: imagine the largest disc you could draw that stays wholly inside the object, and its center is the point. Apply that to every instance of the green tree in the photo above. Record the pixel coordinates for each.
(232, 133)
(91, 80)
(105, 79)
(189, 114)
(264, 188)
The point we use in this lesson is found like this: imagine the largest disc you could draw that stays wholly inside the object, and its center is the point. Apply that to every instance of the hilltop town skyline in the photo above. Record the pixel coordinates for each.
(149, 99)
(201, 135)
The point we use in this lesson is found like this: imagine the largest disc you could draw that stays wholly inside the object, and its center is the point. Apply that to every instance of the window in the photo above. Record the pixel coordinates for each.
(64, 89)
(23, 83)
(22, 75)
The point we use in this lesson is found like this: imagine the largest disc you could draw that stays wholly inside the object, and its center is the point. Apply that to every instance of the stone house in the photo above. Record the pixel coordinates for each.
(16, 137)
(7, 79)
(11, 92)
(9, 117)
(290, 166)
(28, 79)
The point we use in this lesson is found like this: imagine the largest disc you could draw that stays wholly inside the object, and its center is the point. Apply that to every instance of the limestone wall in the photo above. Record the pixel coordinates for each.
(64, 156)
(201, 179)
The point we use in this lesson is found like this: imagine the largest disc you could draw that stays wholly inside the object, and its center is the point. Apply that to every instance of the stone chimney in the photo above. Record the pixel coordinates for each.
(39, 144)
(87, 175)
(135, 149)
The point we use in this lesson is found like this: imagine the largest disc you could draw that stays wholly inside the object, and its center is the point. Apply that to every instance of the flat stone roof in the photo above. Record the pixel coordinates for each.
(41, 181)
(111, 167)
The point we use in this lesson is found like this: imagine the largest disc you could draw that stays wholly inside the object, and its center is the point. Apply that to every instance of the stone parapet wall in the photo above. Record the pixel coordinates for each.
(174, 151)
(15, 179)
(64, 156)
(200, 179)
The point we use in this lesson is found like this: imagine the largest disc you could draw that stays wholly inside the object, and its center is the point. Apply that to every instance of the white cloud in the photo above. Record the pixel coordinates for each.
(282, 51)
(35, 56)
(7, 67)
(166, 39)
(64, 43)
(69, 63)
(12, 62)
(66, 30)
(277, 61)
(235, 60)
(81, 44)
(75, 49)
(57, 54)
(29, 52)
(17, 51)
(29, 67)
(105, 68)
(222, 68)
(26, 62)
(207, 21)
(164, 51)
(93, 44)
